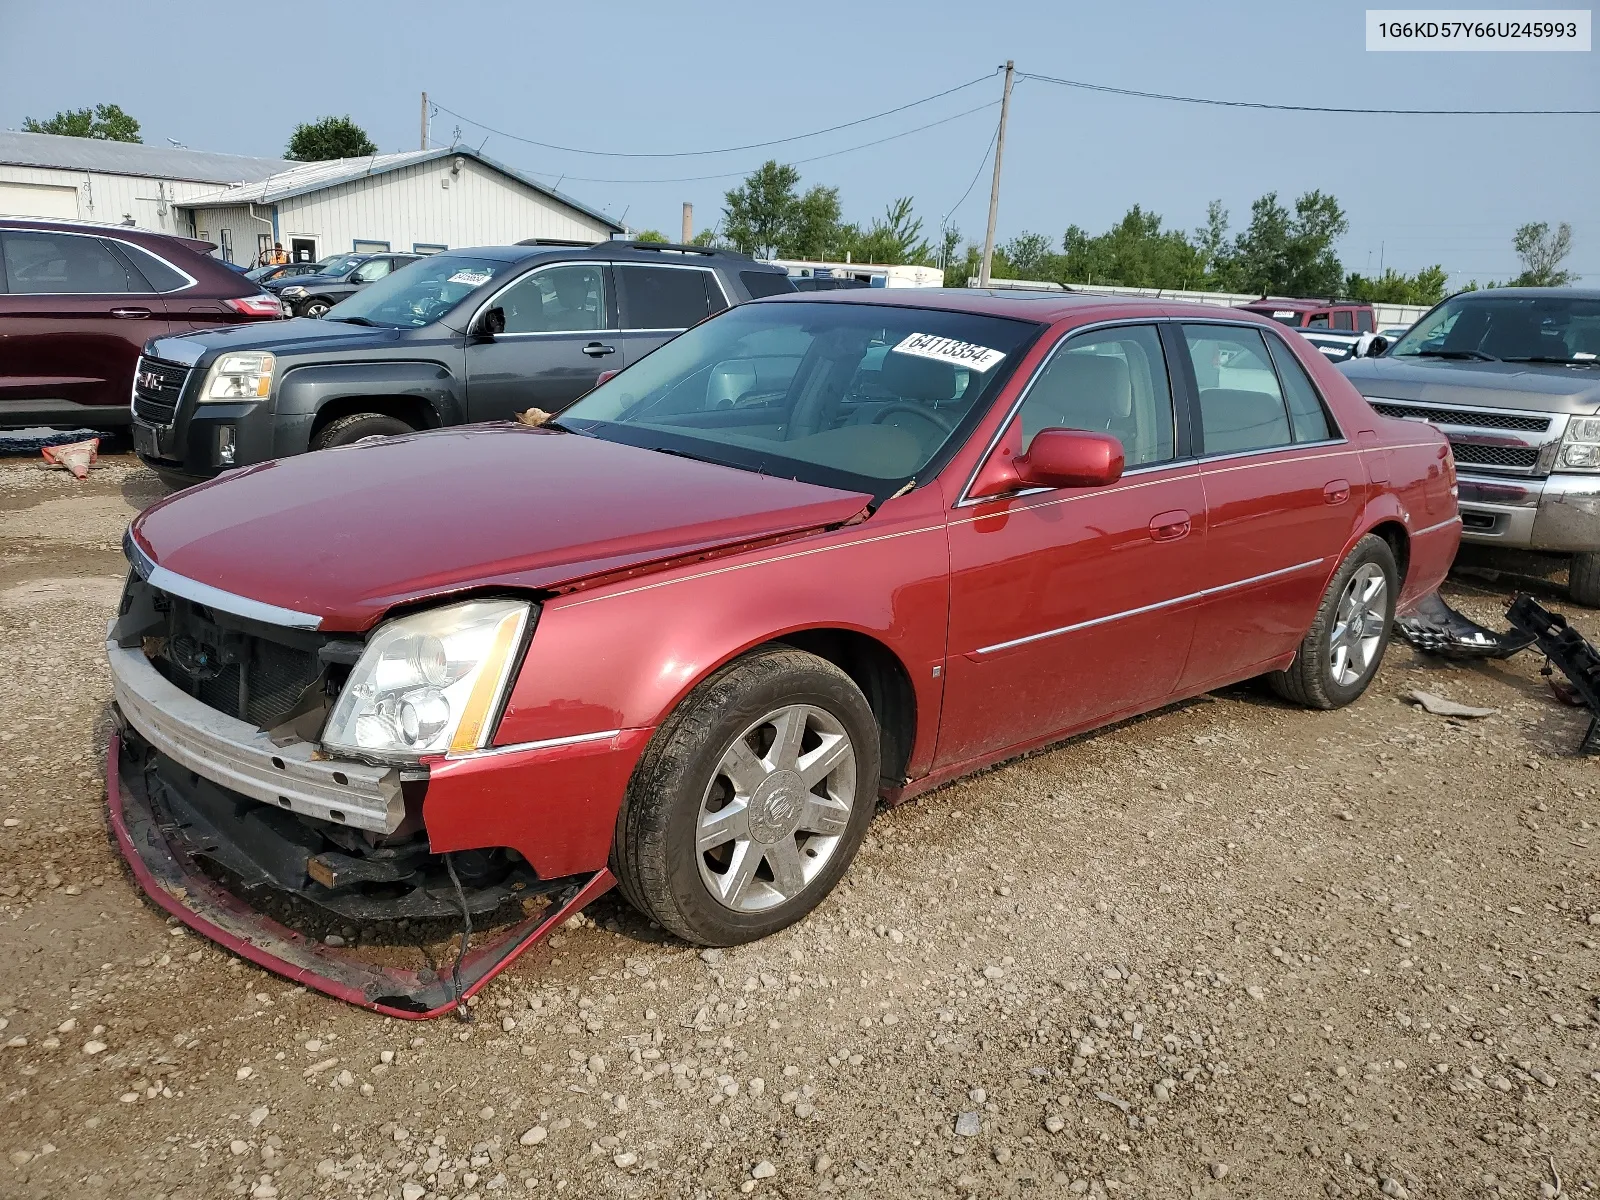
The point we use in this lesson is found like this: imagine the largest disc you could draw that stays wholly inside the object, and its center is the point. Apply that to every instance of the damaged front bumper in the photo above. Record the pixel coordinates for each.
(157, 845)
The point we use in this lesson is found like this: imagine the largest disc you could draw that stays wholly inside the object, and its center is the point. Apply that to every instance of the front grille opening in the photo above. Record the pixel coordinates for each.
(1463, 417)
(157, 388)
(1525, 457)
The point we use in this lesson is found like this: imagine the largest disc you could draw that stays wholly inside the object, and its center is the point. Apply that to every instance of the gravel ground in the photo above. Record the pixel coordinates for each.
(1231, 949)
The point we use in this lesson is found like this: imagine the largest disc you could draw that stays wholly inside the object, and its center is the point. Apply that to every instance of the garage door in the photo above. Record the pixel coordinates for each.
(38, 200)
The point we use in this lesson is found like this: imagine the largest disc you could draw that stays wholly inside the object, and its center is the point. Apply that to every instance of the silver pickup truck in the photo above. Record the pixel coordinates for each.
(1512, 377)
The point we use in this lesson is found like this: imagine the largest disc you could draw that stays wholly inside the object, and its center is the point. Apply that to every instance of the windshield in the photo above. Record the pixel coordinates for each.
(342, 264)
(1554, 329)
(1281, 316)
(419, 293)
(857, 396)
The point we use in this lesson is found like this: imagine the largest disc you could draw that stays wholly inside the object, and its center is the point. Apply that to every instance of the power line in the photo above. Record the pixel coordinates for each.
(1319, 108)
(794, 162)
(981, 163)
(889, 112)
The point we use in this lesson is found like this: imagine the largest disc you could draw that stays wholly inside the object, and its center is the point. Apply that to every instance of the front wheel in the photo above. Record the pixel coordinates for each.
(1345, 644)
(1583, 579)
(750, 800)
(342, 431)
(316, 307)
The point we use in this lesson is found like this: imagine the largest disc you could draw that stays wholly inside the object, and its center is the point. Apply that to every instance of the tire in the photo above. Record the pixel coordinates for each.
(315, 308)
(343, 430)
(1583, 579)
(682, 788)
(1320, 677)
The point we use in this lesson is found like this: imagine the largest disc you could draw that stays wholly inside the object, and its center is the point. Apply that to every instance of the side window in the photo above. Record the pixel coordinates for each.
(1110, 381)
(1318, 321)
(373, 269)
(765, 283)
(1341, 319)
(566, 299)
(1306, 412)
(1364, 321)
(1241, 405)
(42, 263)
(661, 297)
(163, 276)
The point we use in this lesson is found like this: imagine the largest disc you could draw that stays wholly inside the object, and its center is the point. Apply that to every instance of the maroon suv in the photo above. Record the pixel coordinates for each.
(78, 302)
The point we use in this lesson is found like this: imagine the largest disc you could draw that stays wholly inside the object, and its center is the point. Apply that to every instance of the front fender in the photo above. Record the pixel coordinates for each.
(307, 389)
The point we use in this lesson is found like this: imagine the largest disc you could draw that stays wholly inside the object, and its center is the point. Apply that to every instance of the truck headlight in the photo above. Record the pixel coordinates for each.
(1580, 445)
(245, 376)
(429, 683)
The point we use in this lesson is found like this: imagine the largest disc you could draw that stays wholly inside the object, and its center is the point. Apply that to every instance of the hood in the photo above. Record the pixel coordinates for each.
(1532, 386)
(278, 285)
(346, 534)
(280, 337)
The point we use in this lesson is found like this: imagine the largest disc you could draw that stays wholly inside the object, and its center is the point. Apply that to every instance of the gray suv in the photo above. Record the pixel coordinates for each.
(1512, 377)
(456, 337)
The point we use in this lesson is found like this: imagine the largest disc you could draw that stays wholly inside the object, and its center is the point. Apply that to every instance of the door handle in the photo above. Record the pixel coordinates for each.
(131, 314)
(1336, 492)
(1170, 526)
(596, 349)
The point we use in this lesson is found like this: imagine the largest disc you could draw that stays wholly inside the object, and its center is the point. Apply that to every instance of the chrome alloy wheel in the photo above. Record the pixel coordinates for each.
(776, 807)
(1358, 624)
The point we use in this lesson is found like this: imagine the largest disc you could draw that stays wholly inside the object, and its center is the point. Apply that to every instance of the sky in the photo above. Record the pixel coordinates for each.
(652, 78)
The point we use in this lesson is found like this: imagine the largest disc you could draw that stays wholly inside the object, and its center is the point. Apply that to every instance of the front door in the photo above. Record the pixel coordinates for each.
(559, 336)
(1069, 606)
(1282, 492)
(74, 315)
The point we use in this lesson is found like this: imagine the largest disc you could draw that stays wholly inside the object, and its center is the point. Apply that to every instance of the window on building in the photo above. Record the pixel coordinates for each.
(361, 246)
(227, 245)
(428, 248)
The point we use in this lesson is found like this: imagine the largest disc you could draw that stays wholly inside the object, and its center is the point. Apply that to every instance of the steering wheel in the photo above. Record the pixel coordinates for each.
(932, 416)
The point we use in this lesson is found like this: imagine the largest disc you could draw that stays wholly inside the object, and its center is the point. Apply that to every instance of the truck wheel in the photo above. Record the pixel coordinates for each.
(750, 800)
(317, 306)
(1345, 644)
(1583, 579)
(343, 430)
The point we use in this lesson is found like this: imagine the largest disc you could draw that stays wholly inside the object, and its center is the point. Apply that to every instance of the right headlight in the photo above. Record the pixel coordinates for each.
(241, 376)
(429, 683)
(1580, 445)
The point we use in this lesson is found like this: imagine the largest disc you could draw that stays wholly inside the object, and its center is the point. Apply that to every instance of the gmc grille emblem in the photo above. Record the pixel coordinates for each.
(150, 381)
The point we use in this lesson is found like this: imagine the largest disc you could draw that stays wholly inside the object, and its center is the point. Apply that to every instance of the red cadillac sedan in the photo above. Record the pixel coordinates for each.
(817, 552)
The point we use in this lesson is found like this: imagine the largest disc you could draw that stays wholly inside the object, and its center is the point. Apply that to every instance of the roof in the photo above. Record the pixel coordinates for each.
(132, 158)
(1531, 293)
(1028, 306)
(301, 178)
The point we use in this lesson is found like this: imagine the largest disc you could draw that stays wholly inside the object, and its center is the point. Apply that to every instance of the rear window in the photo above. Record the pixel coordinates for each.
(765, 283)
(41, 263)
(663, 297)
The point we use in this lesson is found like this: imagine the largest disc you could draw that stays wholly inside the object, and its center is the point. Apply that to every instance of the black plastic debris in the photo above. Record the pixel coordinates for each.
(1565, 648)
(1435, 628)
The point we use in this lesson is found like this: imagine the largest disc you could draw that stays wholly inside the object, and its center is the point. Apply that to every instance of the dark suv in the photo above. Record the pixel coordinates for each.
(464, 335)
(313, 295)
(79, 301)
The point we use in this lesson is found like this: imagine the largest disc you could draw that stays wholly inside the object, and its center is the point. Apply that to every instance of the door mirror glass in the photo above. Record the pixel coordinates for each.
(1059, 458)
(493, 322)
(729, 382)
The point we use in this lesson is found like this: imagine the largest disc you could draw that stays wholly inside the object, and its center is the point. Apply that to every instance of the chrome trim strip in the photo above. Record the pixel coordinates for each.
(547, 744)
(228, 602)
(1455, 520)
(1160, 604)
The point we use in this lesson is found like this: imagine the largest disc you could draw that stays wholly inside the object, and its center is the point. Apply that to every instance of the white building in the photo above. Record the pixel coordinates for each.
(420, 200)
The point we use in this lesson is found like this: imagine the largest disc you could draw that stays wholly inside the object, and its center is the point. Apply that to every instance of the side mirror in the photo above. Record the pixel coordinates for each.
(1055, 458)
(1373, 348)
(604, 375)
(1070, 458)
(492, 322)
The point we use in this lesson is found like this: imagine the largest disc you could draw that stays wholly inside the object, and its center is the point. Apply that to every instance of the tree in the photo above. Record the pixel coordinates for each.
(104, 122)
(649, 235)
(1211, 240)
(813, 229)
(1541, 253)
(894, 238)
(1135, 252)
(1392, 287)
(1287, 255)
(760, 214)
(1028, 255)
(331, 137)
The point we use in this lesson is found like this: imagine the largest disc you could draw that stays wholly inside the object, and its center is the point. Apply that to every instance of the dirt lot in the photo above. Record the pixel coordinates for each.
(1232, 949)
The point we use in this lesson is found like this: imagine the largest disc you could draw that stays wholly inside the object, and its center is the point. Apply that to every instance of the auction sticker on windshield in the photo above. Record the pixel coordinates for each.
(471, 278)
(950, 350)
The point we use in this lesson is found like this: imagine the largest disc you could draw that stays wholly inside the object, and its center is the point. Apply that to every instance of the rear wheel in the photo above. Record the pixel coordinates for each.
(1583, 579)
(1345, 644)
(751, 799)
(343, 430)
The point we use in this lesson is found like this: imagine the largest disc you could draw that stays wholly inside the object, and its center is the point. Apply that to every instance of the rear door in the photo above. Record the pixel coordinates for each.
(658, 302)
(560, 333)
(74, 316)
(1282, 490)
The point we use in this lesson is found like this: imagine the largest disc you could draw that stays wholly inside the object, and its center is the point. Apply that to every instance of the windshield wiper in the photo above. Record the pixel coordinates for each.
(1550, 358)
(352, 321)
(1475, 355)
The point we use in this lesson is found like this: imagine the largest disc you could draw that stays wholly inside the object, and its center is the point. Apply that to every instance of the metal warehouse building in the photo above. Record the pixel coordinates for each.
(420, 200)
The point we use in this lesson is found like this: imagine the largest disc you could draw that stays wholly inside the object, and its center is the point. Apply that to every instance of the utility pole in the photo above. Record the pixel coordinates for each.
(994, 188)
(688, 222)
(424, 120)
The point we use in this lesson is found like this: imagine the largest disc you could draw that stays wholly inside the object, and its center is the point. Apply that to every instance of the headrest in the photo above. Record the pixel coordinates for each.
(914, 378)
(1093, 384)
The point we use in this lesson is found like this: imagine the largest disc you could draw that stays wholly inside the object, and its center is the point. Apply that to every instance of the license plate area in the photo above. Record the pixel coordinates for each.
(146, 440)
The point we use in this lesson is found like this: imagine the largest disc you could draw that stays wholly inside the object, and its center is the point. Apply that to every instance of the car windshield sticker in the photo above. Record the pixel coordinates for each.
(1280, 313)
(950, 350)
(473, 278)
